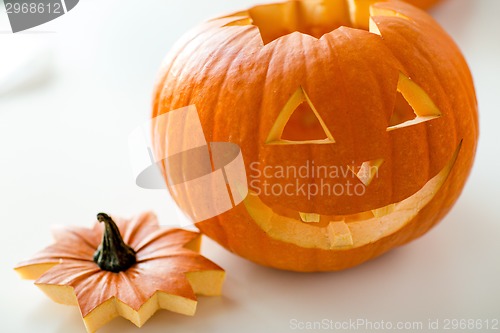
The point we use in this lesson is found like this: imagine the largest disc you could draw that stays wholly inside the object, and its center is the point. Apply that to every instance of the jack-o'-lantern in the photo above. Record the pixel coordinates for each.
(357, 122)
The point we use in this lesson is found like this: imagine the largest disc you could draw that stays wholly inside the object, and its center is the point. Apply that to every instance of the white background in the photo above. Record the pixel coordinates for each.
(64, 157)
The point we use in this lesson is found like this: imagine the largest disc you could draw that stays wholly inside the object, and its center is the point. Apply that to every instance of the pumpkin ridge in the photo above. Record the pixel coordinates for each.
(132, 288)
(166, 72)
(158, 235)
(197, 48)
(213, 113)
(63, 233)
(131, 231)
(55, 273)
(305, 70)
(230, 60)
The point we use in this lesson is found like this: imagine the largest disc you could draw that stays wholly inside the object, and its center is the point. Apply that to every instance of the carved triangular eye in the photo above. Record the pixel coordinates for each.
(413, 105)
(299, 123)
(402, 113)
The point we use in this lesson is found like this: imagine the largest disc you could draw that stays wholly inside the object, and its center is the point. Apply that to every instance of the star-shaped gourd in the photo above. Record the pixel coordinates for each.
(131, 269)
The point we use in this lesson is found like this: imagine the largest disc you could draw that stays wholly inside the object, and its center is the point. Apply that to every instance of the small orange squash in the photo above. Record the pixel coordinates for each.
(374, 102)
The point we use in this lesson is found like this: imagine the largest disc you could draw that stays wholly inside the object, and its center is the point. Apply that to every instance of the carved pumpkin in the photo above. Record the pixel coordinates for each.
(150, 268)
(372, 99)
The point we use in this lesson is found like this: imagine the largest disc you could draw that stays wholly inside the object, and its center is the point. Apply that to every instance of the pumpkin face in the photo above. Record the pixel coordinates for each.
(357, 123)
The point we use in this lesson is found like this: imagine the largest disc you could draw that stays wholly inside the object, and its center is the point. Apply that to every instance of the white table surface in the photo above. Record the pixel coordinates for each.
(64, 157)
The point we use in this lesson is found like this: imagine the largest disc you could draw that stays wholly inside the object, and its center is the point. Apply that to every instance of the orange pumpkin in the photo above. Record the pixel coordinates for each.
(374, 102)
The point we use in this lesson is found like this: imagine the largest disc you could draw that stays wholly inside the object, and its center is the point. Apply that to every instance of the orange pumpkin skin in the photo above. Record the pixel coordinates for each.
(240, 86)
(425, 4)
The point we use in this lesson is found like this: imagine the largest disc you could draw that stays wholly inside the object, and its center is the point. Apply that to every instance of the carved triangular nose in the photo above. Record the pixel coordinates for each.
(368, 171)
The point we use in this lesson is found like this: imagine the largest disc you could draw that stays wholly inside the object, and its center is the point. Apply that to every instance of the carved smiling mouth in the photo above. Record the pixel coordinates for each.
(347, 231)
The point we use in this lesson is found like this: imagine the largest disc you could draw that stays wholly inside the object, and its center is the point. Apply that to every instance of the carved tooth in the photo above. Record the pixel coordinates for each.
(310, 217)
(339, 235)
(384, 210)
(369, 170)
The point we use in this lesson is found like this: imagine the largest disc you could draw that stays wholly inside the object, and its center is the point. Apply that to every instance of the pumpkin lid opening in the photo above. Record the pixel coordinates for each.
(312, 17)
